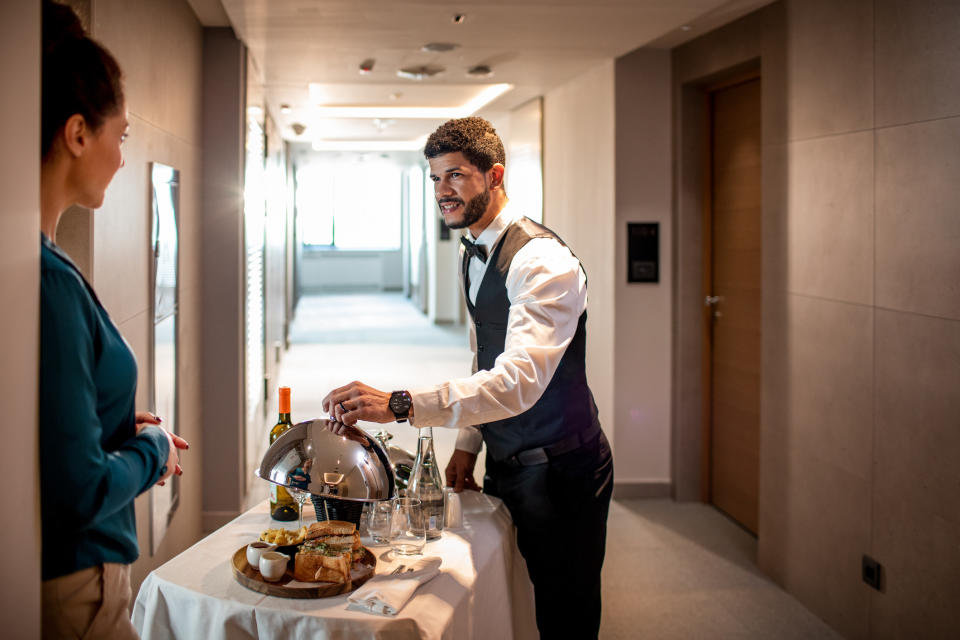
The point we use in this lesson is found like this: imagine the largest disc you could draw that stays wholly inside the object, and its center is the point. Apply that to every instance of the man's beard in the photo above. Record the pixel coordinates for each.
(472, 211)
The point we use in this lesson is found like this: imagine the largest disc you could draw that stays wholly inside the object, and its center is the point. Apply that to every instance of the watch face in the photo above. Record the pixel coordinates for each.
(400, 403)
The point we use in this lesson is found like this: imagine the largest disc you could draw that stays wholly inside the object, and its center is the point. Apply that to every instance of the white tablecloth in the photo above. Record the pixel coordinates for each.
(483, 591)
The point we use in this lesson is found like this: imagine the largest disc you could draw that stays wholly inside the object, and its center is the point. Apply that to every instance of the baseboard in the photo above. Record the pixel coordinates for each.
(642, 489)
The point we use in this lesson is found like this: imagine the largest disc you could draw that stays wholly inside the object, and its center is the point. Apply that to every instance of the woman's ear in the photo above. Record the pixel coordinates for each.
(76, 135)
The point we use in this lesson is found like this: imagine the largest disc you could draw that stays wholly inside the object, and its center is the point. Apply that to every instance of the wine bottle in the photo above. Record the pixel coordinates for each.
(282, 504)
(427, 485)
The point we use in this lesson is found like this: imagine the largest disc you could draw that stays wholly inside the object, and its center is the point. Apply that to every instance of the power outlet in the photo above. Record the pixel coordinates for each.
(873, 573)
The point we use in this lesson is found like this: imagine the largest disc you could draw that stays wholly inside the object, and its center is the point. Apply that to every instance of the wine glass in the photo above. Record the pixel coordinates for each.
(300, 496)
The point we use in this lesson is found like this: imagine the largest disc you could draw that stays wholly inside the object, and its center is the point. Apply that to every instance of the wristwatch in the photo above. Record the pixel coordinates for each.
(400, 402)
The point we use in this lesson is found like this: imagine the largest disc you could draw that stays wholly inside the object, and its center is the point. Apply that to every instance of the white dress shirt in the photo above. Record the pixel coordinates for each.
(547, 290)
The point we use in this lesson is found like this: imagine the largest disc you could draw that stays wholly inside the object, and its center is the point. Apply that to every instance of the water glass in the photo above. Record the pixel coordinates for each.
(407, 533)
(378, 521)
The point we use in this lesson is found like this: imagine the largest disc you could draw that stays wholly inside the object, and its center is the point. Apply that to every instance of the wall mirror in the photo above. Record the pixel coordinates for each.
(164, 238)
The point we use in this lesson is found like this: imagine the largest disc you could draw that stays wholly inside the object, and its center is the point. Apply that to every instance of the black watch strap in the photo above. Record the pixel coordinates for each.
(400, 403)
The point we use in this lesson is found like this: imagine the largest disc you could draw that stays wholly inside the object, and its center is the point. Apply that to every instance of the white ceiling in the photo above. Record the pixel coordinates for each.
(533, 45)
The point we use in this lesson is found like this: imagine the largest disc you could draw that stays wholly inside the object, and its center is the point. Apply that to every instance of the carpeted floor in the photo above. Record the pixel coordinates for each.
(673, 570)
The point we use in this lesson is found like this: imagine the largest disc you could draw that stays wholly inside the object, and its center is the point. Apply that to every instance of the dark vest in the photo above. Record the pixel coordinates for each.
(566, 406)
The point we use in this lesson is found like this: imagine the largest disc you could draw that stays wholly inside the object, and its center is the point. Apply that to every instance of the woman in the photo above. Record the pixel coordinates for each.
(96, 453)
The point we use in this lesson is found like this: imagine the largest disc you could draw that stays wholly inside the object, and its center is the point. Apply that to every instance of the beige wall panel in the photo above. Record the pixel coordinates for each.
(830, 360)
(830, 219)
(918, 549)
(19, 295)
(773, 60)
(829, 70)
(719, 50)
(122, 224)
(75, 236)
(579, 206)
(775, 239)
(643, 319)
(918, 404)
(918, 60)
(159, 47)
(918, 229)
(916, 506)
(812, 538)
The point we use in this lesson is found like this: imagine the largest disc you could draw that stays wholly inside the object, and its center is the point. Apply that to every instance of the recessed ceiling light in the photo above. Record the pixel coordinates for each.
(480, 71)
(439, 47)
(420, 72)
(382, 123)
(685, 27)
(458, 18)
(483, 96)
(370, 145)
(284, 108)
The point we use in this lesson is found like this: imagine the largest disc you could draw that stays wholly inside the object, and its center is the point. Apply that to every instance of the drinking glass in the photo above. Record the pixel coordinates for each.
(378, 522)
(407, 533)
(301, 497)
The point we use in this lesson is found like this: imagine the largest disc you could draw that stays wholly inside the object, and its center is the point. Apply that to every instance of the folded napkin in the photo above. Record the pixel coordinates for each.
(387, 594)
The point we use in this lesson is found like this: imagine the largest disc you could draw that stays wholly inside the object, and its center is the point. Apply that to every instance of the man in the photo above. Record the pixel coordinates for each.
(528, 400)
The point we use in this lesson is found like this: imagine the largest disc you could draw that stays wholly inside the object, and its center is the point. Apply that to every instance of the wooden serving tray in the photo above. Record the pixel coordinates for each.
(251, 578)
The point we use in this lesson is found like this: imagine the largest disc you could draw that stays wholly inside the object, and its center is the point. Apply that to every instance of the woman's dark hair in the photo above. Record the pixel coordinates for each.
(474, 137)
(78, 76)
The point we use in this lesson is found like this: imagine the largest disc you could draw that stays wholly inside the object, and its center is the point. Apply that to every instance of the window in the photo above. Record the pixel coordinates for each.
(350, 201)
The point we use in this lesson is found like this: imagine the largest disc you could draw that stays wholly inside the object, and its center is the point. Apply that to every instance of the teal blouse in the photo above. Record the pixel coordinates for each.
(92, 462)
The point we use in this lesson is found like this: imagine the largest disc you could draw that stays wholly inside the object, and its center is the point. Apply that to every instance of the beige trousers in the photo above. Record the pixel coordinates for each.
(92, 603)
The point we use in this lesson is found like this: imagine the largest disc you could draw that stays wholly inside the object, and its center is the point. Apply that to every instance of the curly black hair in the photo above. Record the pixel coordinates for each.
(474, 137)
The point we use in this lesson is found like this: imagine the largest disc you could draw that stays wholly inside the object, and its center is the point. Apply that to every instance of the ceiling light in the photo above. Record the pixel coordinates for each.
(480, 71)
(382, 123)
(488, 94)
(370, 145)
(284, 108)
(685, 27)
(438, 47)
(367, 66)
(458, 18)
(420, 72)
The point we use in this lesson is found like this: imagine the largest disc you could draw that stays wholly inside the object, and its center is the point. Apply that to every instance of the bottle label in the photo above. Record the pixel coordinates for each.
(273, 493)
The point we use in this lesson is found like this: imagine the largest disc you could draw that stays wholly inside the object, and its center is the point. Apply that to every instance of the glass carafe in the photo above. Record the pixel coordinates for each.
(427, 484)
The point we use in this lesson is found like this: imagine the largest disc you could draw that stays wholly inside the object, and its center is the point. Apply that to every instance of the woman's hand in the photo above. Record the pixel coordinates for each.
(174, 443)
(145, 419)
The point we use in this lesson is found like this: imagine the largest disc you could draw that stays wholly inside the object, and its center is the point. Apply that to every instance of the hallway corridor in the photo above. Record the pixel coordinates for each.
(673, 570)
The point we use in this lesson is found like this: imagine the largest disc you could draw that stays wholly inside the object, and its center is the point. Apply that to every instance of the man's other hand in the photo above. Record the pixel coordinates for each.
(460, 471)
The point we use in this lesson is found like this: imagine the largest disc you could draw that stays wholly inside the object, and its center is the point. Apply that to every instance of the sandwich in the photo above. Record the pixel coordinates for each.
(327, 553)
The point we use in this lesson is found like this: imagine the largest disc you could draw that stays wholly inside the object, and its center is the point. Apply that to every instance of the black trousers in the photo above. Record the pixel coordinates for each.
(560, 511)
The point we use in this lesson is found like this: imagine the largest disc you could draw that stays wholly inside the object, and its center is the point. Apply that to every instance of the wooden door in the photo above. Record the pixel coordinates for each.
(732, 304)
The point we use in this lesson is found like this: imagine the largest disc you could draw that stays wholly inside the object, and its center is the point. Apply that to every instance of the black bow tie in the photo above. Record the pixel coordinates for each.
(475, 250)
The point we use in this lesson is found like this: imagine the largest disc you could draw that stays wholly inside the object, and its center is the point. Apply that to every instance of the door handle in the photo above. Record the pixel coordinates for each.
(710, 301)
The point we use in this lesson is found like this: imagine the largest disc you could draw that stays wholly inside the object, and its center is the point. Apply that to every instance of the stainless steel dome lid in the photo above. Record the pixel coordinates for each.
(310, 457)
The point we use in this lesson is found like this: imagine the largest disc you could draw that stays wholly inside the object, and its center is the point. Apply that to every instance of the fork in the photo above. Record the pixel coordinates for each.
(399, 569)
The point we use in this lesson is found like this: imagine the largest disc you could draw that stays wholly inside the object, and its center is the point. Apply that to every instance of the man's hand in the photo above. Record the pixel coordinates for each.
(357, 401)
(459, 471)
